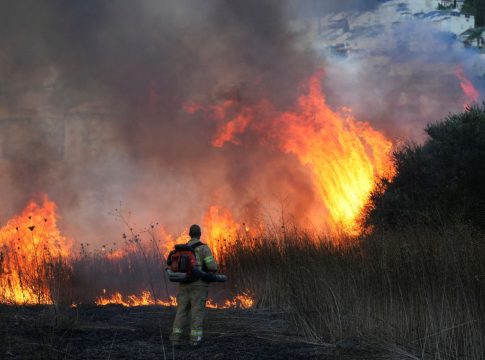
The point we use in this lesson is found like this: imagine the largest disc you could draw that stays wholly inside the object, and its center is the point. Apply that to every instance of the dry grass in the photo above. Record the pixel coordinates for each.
(418, 292)
(419, 289)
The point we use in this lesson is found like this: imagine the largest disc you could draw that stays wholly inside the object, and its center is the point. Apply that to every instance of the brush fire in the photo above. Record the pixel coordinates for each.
(35, 257)
(343, 156)
(32, 250)
(241, 179)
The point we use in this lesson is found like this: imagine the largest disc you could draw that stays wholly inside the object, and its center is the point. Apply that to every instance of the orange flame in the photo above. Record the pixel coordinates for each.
(345, 156)
(470, 93)
(243, 301)
(219, 227)
(169, 241)
(133, 300)
(30, 245)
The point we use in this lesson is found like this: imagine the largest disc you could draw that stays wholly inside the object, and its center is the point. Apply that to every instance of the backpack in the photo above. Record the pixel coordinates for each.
(182, 263)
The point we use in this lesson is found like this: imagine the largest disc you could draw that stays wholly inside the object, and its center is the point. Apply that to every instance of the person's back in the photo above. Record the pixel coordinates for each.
(191, 296)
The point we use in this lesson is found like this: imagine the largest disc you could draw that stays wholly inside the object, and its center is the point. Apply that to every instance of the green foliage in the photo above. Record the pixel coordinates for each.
(445, 7)
(439, 181)
(474, 35)
(476, 8)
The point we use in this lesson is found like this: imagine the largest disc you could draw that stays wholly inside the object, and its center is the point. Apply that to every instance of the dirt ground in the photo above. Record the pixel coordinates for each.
(115, 332)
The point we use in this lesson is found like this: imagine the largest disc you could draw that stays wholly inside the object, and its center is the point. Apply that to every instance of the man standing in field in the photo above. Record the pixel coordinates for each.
(191, 296)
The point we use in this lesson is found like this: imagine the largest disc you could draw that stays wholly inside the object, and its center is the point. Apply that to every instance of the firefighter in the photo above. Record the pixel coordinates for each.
(191, 297)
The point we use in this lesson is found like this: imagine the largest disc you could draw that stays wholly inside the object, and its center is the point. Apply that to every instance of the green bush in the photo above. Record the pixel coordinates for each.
(476, 8)
(438, 182)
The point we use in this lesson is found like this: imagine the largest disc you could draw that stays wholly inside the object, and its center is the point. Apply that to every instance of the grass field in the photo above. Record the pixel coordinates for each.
(420, 290)
(416, 292)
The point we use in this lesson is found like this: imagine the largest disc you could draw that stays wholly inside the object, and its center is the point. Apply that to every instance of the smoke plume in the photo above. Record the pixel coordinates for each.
(93, 98)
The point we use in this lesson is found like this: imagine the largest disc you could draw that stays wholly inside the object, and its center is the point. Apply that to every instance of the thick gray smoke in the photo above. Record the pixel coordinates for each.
(92, 102)
(92, 98)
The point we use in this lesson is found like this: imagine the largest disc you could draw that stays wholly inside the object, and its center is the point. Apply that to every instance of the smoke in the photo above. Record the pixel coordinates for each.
(92, 102)
(92, 98)
(404, 78)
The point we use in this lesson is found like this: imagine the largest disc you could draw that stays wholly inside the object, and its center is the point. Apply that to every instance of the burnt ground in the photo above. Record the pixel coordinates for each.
(115, 332)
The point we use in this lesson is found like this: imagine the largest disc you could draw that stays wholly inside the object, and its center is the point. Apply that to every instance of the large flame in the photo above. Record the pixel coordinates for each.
(31, 246)
(345, 156)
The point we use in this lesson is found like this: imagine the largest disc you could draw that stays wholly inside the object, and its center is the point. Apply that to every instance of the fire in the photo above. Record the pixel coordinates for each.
(471, 94)
(242, 301)
(219, 227)
(33, 253)
(31, 247)
(344, 156)
(133, 300)
(117, 254)
(169, 241)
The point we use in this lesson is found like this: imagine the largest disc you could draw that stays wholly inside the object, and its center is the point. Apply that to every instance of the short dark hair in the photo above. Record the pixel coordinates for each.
(195, 231)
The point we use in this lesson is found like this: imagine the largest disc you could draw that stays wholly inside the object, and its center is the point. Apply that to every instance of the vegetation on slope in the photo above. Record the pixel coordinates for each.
(438, 182)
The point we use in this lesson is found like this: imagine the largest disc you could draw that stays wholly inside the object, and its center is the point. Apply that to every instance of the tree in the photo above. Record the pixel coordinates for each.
(476, 8)
(439, 181)
(474, 34)
(479, 13)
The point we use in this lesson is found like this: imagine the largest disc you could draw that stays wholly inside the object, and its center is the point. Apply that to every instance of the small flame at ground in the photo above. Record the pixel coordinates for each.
(134, 300)
(243, 301)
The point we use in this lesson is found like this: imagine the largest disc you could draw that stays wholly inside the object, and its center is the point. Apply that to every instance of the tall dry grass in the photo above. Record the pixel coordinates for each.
(421, 290)
(418, 289)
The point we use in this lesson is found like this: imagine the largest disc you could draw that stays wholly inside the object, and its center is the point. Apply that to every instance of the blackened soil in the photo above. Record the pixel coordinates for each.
(115, 332)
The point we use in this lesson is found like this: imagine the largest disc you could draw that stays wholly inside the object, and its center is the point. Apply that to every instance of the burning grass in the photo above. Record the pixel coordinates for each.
(39, 266)
(417, 289)
(33, 256)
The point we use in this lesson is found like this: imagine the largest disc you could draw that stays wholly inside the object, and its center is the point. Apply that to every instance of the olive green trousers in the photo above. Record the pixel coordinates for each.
(191, 300)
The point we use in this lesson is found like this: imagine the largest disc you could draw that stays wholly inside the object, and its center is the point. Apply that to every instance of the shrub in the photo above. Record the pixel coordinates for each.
(439, 181)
